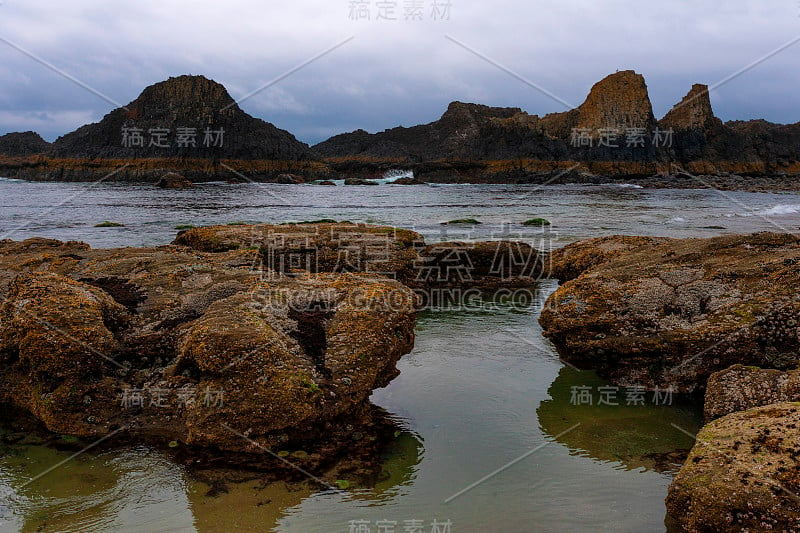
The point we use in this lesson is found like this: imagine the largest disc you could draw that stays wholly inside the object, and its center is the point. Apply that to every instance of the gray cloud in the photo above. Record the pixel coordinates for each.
(393, 72)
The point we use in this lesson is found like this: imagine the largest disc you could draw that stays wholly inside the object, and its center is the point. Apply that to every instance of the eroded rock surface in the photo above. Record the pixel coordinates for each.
(743, 474)
(390, 252)
(672, 312)
(173, 344)
(739, 388)
(571, 261)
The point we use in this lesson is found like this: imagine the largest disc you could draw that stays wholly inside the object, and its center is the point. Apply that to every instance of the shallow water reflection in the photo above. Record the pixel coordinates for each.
(639, 430)
(481, 388)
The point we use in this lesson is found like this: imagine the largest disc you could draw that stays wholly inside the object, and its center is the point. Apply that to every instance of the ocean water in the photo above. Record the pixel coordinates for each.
(71, 210)
(492, 439)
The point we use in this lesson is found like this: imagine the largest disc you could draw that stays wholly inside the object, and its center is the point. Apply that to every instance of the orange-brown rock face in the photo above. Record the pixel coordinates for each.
(618, 101)
(693, 112)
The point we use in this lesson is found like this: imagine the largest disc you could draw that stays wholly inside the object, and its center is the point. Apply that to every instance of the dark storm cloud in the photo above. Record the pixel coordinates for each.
(394, 71)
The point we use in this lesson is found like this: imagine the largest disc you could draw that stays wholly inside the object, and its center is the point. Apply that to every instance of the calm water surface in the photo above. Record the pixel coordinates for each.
(481, 389)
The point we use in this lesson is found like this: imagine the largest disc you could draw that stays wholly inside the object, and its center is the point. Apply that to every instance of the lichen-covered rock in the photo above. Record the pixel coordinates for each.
(389, 252)
(743, 474)
(571, 261)
(56, 331)
(739, 388)
(670, 313)
(293, 355)
(174, 344)
(315, 248)
(57, 325)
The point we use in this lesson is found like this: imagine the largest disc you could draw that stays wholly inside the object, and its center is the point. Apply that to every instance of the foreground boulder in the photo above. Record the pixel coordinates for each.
(743, 474)
(739, 388)
(669, 313)
(171, 344)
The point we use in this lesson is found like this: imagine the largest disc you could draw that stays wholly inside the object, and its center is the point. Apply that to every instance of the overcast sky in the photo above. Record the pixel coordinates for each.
(393, 72)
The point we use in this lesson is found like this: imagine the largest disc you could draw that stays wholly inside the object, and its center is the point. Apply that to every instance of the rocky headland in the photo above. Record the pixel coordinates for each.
(191, 125)
(613, 136)
(186, 124)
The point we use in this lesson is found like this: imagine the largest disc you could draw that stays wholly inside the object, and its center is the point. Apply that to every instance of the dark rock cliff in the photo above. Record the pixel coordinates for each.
(192, 102)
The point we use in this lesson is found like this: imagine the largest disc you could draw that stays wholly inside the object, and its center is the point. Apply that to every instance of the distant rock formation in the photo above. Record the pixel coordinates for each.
(617, 102)
(617, 107)
(456, 134)
(188, 124)
(22, 144)
(694, 112)
(186, 116)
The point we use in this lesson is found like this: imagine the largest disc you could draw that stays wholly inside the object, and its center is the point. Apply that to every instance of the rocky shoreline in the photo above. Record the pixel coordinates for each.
(236, 344)
(707, 176)
(715, 316)
(190, 125)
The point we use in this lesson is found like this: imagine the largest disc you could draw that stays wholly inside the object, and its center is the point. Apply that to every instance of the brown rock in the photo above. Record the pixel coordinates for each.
(324, 247)
(618, 101)
(172, 180)
(739, 388)
(294, 354)
(742, 474)
(284, 360)
(571, 261)
(693, 112)
(673, 312)
(54, 332)
(482, 264)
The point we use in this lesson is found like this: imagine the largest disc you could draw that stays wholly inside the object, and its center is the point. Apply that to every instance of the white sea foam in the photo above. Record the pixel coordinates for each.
(781, 209)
